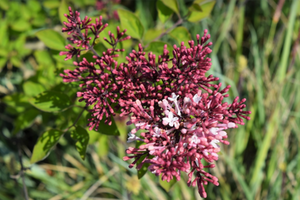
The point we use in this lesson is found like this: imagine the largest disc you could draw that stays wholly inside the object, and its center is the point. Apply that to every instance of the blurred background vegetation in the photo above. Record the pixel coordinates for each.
(256, 50)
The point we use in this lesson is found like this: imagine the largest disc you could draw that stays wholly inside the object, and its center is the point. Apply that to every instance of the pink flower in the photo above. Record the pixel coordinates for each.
(184, 117)
(179, 143)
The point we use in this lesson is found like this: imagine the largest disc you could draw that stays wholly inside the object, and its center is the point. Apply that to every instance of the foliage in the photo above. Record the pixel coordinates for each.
(260, 57)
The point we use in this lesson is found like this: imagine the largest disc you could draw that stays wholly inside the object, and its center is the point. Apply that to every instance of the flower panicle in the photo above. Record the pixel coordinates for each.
(189, 131)
(170, 96)
(78, 30)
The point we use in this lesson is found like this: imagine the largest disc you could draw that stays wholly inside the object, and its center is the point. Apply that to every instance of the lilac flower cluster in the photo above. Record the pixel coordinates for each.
(179, 109)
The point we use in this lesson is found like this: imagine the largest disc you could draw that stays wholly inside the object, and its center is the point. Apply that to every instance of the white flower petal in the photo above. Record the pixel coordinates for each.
(196, 98)
(213, 143)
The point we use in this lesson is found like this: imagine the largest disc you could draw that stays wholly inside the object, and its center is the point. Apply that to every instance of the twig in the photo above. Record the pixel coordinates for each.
(91, 48)
(180, 21)
(76, 120)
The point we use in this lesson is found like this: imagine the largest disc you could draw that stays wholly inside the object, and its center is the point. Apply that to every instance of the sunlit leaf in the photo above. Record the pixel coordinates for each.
(81, 136)
(63, 9)
(15, 60)
(157, 48)
(51, 39)
(107, 129)
(3, 30)
(102, 147)
(43, 57)
(196, 6)
(18, 102)
(93, 135)
(20, 25)
(141, 172)
(167, 185)
(151, 34)
(172, 4)
(181, 34)
(51, 3)
(32, 89)
(44, 144)
(34, 6)
(2, 62)
(110, 28)
(4, 4)
(25, 119)
(132, 23)
(164, 12)
(51, 101)
(206, 7)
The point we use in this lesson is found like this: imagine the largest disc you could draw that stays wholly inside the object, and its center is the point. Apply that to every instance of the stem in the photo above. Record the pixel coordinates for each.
(180, 21)
(76, 120)
(91, 48)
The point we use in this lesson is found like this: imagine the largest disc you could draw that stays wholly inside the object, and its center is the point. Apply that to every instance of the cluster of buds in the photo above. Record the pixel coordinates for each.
(180, 111)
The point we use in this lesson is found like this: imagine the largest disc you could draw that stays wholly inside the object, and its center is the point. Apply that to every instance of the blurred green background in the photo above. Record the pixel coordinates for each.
(256, 50)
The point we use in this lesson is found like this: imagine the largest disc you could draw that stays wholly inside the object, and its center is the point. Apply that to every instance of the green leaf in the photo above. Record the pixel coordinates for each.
(181, 34)
(206, 7)
(17, 101)
(25, 119)
(19, 46)
(20, 25)
(132, 23)
(63, 9)
(51, 4)
(34, 5)
(25, 12)
(44, 144)
(151, 34)
(102, 147)
(4, 52)
(196, 5)
(172, 4)
(93, 135)
(32, 89)
(157, 48)
(4, 4)
(109, 129)
(2, 62)
(38, 20)
(3, 30)
(141, 172)
(61, 59)
(82, 139)
(51, 101)
(52, 39)
(112, 27)
(43, 57)
(15, 60)
(167, 185)
(164, 12)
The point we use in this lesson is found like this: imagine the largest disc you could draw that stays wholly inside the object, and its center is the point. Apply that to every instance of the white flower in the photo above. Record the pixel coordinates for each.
(195, 139)
(214, 130)
(171, 120)
(132, 138)
(157, 132)
(197, 98)
(174, 99)
(213, 143)
(231, 125)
